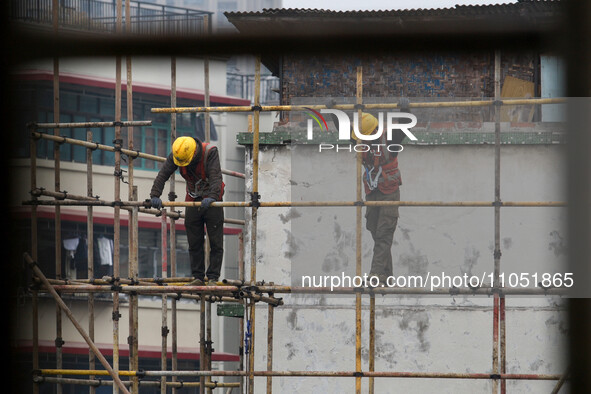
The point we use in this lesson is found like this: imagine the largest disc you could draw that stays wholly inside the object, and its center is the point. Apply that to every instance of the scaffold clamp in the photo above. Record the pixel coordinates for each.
(255, 199)
(59, 342)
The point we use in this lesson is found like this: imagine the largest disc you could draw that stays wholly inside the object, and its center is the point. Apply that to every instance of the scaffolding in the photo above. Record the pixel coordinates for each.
(245, 290)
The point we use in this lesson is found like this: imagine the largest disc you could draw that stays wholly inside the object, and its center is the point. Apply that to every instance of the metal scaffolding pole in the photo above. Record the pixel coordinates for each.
(130, 153)
(93, 383)
(254, 211)
(206, 357)
(278, 204)
(227, 292)
(497, 216)
(90, 252)
(34, 296)
(372, 339)
(333, 374)
(114, 374)
(57, 165)
(358, 244)
(164, 274)
(117, 196)
(208, 343)
(172, 197)
(202, 365)
(270, 321)
(351, 107)
(132, 339)
(243, 303)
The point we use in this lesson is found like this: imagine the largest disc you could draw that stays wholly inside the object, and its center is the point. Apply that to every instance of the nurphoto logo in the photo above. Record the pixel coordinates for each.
(344, 127)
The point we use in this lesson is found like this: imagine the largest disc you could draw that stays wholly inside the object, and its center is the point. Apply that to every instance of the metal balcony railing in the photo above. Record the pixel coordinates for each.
(100, 15)
(242, 85)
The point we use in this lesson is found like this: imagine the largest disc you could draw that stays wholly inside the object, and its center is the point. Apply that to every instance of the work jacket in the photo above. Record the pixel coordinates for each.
(203, 175)
(381, 166)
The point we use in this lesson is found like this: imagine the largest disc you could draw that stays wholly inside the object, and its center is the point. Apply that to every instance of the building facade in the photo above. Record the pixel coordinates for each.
(453, 159)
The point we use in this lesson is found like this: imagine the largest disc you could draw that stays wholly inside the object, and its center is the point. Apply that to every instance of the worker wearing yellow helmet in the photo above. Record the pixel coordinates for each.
(199, 165)
(381, 181)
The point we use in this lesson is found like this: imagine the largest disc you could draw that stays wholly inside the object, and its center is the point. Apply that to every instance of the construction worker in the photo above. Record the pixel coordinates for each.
(381, 181)
(199, 165)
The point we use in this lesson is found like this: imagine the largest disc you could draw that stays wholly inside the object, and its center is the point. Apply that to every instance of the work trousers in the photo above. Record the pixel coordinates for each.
(381, 223)
(197, 220)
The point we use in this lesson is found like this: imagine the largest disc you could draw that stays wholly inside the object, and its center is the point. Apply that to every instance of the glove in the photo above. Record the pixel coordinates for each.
(156, 202)
(206, 201)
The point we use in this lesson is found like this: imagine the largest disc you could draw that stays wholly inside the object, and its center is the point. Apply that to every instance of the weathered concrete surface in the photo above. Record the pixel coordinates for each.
(431, 334)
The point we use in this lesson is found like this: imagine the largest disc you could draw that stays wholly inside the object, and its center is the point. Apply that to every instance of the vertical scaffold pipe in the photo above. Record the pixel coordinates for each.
(358, 242)
(254, 209)
(114, 375)
(57, 181)
(133, 229)
(207, 116)
(207, 128)
(497, 215)
(117, 197)
(164, 256)
(242, 301)
(270, 347)
(90, 253)
(208, 347)
(202, 365)
(172, 196)
(34, 298)
(372, 339)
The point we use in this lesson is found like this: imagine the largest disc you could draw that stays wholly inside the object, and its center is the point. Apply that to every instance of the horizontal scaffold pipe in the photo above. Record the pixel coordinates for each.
(414, 291)
(143, 383)
(172, 292)
(375, 374)
(146, 289)
(95, 145)
(65, 195)
(345, 107)
(130, 153)
(429, 375)
(251, 291)
(89, 125)
(522, 204)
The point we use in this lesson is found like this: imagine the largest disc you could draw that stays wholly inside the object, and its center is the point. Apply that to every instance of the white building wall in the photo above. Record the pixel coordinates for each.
(154, 71)
(429, 334)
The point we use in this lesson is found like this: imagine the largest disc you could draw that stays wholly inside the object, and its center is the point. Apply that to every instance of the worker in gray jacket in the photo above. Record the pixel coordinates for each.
(199, 164)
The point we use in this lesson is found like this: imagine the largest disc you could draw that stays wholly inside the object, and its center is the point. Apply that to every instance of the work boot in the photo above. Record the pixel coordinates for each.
(196, 282)
(212, 282)
(382, 278)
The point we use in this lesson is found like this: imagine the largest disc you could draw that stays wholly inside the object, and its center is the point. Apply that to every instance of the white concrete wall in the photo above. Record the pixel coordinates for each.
(429, 334)
(145, 70)
(73, 180)
(149, 328)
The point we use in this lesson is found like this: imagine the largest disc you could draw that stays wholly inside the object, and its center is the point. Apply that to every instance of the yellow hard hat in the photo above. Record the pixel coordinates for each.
(183, 150)
(368, 124)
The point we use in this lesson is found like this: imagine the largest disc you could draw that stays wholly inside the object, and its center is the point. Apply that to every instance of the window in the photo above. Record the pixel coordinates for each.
(75, 266)
(84, 104)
